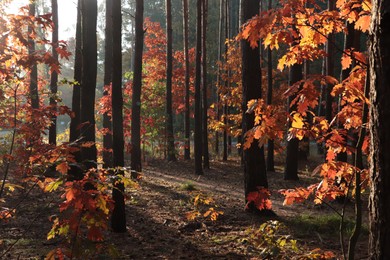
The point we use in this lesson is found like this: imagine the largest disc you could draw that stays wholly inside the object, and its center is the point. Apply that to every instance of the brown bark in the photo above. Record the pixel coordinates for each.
(34, 96)
(54, 75)
(89, 56)
(255, 173)
(206, 160)
(187, 125)
(379, 210)
(198, 101)
(118, 219)
(136, 165)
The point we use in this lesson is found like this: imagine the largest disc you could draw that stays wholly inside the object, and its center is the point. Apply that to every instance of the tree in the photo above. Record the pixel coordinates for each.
(118, 220)
(270, 146)
(34, 96)
(379, 214)
(137, 85)
(292, 150)
(108, 49)
(255, 173)
(187, 125)
(206, 162)
(169, 116)
(54, 75)
(89, 71)
(198, 101)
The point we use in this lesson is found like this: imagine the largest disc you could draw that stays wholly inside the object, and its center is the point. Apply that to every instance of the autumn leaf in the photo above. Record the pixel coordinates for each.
(62, 168)
(297, 121)
(346, 61)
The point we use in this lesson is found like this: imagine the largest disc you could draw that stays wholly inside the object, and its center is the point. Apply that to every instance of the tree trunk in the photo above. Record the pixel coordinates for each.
(255, 173)
(118, 220)
(54, 75)
(219, 80)
(89, 56)
(136, 165)
(198, 101)
(330, 71)
(169, 115)
(34, 96)
(225, 106)
(292, 151)
(379, 210)
(270, 146)
(206, 161)
(74, 131)
(187, 125)
(108, 49)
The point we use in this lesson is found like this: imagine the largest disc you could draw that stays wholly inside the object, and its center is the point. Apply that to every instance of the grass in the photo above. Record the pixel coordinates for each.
(324, 225)
(188, 186)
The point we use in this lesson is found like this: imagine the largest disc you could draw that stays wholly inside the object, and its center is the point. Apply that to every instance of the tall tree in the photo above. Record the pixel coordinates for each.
(379, 211)
(206, 161)
(75, 120)
(270, 146)
(118, 220)
(34, 97)
(219, 78)
(169, 114)
(89, 71)
(226, 83)
(54, 75)
(136, 165)
(187, 146)
(292, 150)
(255, 173)
(108, 49)
(198, 101)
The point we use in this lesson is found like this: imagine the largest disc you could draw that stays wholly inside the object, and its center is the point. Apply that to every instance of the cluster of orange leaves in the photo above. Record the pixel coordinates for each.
(303, 28)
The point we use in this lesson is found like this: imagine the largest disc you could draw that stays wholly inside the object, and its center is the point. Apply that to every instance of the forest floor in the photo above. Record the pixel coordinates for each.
(158, 227)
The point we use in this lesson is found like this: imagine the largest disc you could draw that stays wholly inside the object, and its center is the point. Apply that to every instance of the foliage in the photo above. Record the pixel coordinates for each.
(204, 207)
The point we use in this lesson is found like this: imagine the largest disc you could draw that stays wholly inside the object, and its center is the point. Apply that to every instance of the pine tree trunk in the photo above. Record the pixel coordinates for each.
(171, 156)
(54, 75)
(198, 101)
(118, 219)
(255, 173)
(89, 56)
(270, 146)
(187, 125)
(34, 96)
(107, 138)
(206, 160)
(379, 210)
(292, 151)
(136, 165)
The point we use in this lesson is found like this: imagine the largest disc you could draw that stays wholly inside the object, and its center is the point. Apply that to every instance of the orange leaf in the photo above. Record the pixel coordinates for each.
(62, 168)
(346, 61)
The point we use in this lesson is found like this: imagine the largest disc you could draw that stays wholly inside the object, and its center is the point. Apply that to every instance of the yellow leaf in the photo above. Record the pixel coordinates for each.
(297, 121)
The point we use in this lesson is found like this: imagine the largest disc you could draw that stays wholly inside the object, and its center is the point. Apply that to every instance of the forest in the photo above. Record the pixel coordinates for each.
(194, 129)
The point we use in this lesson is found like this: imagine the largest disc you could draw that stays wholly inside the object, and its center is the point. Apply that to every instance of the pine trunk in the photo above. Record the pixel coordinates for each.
(187, 125)
(255, 173)
(118, 220)
(89, 56)
(379, 210)
(54, 75)
(206, 159)
(171, 156)
(136, 165)
(34, 96)
(198, 101)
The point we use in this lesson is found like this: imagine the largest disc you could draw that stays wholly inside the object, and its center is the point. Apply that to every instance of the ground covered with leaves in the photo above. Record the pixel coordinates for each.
(175, 214)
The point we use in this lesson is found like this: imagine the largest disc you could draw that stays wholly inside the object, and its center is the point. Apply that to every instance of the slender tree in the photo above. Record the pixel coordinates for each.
(379, 213)
(118, 220)
(187, 146)
(34, 97)
(136, 165)
(255, 173)
(54, 75)
(108, 49)
(206, 160)
(270, 146)
(330, 71)
(226, 83)
(169, 115)
(198, 101)
(292, 150)
(89, 56)
(219, 79)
